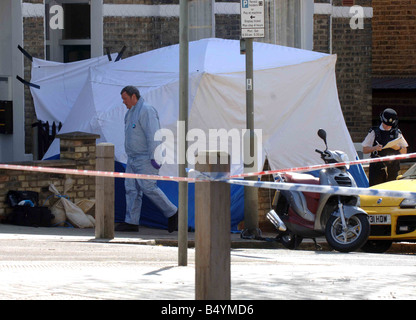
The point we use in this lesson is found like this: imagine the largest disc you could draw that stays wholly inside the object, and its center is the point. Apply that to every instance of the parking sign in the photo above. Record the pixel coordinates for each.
(252, 18)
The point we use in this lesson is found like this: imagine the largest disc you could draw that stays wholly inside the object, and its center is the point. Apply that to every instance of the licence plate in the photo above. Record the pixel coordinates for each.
(379, 219)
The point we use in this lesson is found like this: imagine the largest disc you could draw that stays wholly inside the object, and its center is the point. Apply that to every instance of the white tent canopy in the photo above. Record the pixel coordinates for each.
(295, 94)
(60, 85)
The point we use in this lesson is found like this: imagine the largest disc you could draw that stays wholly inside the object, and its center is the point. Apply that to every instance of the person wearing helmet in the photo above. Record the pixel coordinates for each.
(374, 143)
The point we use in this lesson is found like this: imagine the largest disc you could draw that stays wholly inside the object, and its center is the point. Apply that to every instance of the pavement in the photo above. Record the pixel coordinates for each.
(158, 237)
(145, 236)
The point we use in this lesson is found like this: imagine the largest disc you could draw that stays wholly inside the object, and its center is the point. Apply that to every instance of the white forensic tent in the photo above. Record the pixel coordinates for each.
(60, 85)
(295, 94)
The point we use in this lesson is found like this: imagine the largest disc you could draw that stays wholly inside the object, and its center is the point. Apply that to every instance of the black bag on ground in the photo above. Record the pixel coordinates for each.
(14, 197)
(30, 216)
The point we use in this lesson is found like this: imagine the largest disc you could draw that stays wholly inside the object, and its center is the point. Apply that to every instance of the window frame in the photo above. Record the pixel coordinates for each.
(303, 28)
(54, 46)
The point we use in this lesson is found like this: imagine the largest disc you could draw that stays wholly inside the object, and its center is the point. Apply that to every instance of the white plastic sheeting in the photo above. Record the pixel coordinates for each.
(295, 94)
(60, 85)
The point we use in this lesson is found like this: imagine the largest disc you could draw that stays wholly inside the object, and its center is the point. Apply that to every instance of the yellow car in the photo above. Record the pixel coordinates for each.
(391, 219)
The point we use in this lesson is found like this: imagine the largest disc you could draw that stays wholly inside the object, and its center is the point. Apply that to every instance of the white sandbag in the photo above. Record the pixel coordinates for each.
(58, 212)
(57, 209)
(85, 204)
(76, 216)
(65, 209)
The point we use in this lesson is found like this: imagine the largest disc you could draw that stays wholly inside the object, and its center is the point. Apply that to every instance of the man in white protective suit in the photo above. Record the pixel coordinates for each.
(141, 124)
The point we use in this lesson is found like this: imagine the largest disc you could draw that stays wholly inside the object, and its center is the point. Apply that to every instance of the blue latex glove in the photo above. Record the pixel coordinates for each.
(155, 164)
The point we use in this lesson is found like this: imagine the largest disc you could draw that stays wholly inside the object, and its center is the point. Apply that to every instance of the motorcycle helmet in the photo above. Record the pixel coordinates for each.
(389, 117)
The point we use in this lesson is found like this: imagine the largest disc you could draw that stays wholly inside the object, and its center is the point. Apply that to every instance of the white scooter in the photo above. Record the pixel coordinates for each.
(297, 215)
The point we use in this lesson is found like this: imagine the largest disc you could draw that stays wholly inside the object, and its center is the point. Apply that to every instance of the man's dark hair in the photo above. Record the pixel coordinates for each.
(130, 90)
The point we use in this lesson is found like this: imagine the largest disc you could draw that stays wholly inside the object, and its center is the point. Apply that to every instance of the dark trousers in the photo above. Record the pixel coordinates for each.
(383, 171)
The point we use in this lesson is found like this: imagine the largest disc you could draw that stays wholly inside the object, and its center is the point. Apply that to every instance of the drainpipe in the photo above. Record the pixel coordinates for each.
(330, 27)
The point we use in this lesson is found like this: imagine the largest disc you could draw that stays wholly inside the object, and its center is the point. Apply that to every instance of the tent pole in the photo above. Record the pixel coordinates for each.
(251, 220)
(183, 118)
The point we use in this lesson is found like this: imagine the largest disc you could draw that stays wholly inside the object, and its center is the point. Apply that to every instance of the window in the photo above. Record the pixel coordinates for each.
(72, 40)
(289, 23)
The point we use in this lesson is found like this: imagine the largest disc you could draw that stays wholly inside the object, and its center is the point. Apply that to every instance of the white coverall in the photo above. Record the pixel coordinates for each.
(141, 124)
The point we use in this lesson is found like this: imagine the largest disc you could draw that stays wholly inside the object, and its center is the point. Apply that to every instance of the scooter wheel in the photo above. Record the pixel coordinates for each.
(351, 239)
(290, 241)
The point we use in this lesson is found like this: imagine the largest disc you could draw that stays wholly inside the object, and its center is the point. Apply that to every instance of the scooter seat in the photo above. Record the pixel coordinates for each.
(303, 178)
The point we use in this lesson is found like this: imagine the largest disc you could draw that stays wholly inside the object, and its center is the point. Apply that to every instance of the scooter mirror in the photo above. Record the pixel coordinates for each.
(322, 135)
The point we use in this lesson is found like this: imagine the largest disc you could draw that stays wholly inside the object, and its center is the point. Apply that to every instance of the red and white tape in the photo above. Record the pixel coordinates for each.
(346, 191)
(95, 173)
(326, 166)
(206, 177)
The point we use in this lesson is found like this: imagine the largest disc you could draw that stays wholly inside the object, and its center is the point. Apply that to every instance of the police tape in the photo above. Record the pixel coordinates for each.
(345, 191)
(209, 176)
(110, 174)
(326, 166)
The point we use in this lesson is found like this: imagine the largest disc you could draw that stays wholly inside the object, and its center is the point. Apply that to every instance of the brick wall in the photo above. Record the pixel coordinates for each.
(321, 33)
(394, 38)
(34, 43)
(227, 26)
(77, 152)
(394, 56)
(353, 48)
(139, 34)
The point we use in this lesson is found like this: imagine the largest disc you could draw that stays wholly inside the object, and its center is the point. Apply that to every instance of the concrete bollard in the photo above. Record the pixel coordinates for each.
(104, 193)
(212, 231)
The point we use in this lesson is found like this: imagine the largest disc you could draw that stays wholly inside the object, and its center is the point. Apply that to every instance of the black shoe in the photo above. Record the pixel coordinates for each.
(126, 227)
(173, 223)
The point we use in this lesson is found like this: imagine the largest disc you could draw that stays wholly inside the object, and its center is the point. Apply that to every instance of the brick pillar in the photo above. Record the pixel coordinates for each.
(81, 148)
